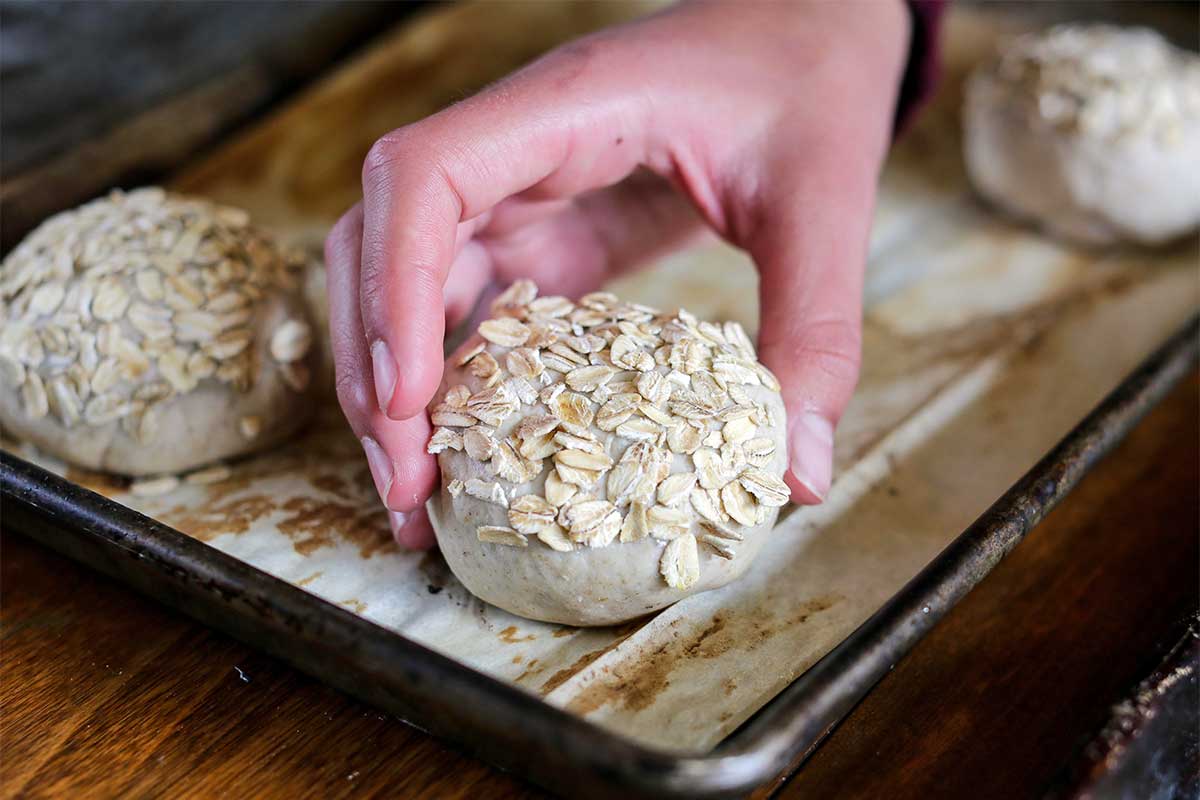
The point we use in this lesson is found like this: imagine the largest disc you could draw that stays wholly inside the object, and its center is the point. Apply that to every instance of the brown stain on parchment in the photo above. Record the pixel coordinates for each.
(311, 524)
(709, 643)
(637, 683)
(332, 483)
(622, 632)
(531, 669)
(581, 663)
(764, 630)
(317, 523)
(354, 604)
(509, 636)
(310, 578)
(98, 482)
(232, 516)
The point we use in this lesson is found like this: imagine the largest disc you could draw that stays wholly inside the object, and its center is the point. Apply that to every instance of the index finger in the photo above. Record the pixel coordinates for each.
(420, 182)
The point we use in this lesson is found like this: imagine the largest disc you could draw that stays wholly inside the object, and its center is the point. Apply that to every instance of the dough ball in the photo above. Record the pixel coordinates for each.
(602, 460)
(1093, 131)
(149, 333)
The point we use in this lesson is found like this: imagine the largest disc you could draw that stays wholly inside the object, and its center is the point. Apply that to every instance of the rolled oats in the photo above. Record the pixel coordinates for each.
(444, 439)
(639, 429)
(739, 504)
(488, 491)
(209, 475)
(719, 546)
(291, 341)
(554, 537)
(676, 488)
(511, 466)
(530, 513)
(525, 362)
(680, 562)
(766, 487)
(479, 442)
(667, 523)
(581, 459)
(457, 397)
(451, 418)
(250, 426)
(662, 386)
(496, 534)
(152, 487)
(572, 408)
(505, 331)
(484, 366)
(557, 491)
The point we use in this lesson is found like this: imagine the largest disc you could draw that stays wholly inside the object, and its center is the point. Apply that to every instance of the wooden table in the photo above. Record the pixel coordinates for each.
(104, 693)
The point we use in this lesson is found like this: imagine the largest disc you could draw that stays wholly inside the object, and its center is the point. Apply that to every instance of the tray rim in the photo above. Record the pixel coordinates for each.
(512, 728)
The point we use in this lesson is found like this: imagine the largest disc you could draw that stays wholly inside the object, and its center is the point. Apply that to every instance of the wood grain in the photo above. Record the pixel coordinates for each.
(106, 694)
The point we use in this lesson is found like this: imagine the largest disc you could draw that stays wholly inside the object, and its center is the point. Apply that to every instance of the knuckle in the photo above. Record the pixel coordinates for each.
(390, 151)
(372, 294)
(840, 365)
(352, 397)
(573, 65)
(836, 333)
(832, 347)
(835, 339)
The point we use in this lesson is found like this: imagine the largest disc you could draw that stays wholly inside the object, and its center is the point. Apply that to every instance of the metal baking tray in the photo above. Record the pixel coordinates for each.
(513, 729)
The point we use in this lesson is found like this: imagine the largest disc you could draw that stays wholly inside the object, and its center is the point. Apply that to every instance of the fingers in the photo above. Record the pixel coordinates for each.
(404, 474)
(810, 247)
(469, 275)
(599, 235)
(412, 531)
(532, 133)
(571, 246)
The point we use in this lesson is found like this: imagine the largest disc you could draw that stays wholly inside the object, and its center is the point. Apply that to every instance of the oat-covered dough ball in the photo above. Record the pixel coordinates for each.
(602, 460)
(1092, 131)
(148, 333)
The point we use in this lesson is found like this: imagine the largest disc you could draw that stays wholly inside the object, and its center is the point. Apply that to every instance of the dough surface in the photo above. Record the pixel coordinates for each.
(1091, 131)
(149, 333)
(561, 500)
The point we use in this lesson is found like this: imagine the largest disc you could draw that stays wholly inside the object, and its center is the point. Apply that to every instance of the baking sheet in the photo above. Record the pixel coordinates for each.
(984, 343)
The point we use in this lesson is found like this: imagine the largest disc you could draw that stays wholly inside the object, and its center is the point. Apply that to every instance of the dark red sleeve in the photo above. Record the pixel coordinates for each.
(923, 69)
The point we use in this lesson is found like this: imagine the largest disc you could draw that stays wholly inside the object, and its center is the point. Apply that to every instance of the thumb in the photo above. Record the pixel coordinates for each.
(810, 251)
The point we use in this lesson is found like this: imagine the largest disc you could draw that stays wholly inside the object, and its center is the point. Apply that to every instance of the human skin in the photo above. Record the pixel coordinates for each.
(764, 123)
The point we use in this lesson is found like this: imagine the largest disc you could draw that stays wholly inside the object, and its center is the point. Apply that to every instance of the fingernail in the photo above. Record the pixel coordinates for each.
(381, 466)
(384, 367)
(811, 453)
(397, 520)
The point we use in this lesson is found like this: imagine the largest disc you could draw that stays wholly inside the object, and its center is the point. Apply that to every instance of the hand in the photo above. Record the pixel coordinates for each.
(764, 122)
